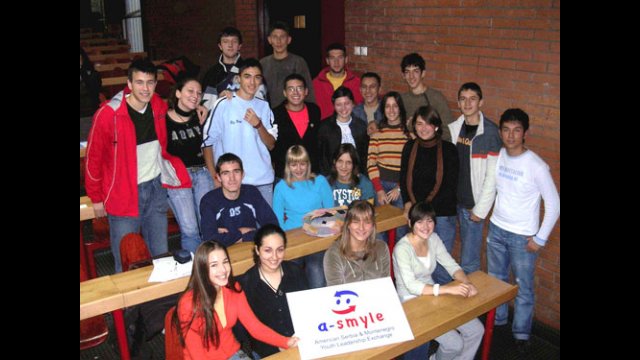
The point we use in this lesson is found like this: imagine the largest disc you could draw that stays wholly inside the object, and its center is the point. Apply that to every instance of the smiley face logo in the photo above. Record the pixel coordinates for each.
(344, 302)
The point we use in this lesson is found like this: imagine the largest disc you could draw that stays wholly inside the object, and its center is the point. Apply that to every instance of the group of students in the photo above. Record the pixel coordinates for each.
(217, 165)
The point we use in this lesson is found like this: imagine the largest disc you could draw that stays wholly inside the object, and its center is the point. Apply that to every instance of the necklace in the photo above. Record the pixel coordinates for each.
(279, 292)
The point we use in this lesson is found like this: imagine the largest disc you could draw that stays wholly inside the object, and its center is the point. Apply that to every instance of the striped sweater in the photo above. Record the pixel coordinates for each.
(385, 151)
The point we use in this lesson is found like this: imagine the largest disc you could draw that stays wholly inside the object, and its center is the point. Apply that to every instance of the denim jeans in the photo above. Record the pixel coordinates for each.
(241, 355)
(151, 221)
(471, 240)
(446, 230)
(314, 269)
(401, 230)
(185, 204)
(267, 193)
(506, 250)
(418, 353)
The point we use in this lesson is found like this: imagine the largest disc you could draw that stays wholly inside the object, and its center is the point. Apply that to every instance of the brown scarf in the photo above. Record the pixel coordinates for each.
(412, 160)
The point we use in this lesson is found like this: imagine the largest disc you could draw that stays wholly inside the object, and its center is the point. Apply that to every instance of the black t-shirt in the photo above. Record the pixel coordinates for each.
(463, 144)
(184, 140)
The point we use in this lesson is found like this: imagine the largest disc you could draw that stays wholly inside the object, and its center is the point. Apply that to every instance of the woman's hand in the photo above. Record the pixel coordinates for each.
(382, 197)
(293, 341)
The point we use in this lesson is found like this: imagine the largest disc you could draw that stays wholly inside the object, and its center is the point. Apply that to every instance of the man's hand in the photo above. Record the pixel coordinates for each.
(98, 209)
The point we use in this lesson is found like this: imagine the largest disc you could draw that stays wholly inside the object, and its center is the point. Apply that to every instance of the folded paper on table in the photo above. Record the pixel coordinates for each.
(166, 268)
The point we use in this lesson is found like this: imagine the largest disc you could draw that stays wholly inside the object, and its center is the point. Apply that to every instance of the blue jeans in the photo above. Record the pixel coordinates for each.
(267, 193)
(185, 204)
(241, 355)
(446, 230)
(401, 230)
(151, 221)
(419, 353)
(313, 269)
(506, 250)
(471, 240)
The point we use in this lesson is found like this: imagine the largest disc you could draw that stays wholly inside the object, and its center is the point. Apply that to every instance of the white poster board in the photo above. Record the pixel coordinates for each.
(344, 318)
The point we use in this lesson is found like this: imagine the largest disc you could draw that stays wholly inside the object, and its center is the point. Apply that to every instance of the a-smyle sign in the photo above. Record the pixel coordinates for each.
(344, 318)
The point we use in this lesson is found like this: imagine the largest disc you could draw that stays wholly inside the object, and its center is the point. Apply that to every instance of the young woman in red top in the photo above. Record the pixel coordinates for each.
(210, 307)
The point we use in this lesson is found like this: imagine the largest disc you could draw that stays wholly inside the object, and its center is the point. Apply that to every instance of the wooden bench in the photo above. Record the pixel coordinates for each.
(104, 41)
(122, 80)
(116, 57)
(430, 317)
(123, 66)
(135, 289)
(107, 49)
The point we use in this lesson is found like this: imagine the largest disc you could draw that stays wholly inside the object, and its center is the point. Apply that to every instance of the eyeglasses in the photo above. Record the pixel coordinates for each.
(292, 89)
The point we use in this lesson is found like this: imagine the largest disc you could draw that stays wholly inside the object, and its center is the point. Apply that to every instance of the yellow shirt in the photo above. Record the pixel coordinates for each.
(336, 81)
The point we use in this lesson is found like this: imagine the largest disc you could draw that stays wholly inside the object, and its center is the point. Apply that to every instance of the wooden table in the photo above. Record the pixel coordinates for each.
(431, 316)
(135, 289)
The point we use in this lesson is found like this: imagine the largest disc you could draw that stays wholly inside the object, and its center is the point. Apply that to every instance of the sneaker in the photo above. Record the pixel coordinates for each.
(522, 346)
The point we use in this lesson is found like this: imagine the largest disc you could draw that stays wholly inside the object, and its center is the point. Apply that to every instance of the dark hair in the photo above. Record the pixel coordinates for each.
(371, 75)
(346, 148)
(86, 62)
(247, 63)
(515, 114)
(143, 65)
(403, 112)
(430, 115)
(230, 31)
(419, 211)
(264, 231)
(228, 157)
(413, 59)
(281, 25)
(340, 92)
(294, 76)
(336, 46)
(204, 295)
(470, 86)
(172, 101)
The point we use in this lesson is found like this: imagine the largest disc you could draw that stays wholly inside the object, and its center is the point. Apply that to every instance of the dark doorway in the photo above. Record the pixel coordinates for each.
(306, 41)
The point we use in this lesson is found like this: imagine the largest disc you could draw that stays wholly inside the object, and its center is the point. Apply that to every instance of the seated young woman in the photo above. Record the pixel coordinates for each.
(357, 255)
(414, 260)
(212, 304)
(267, 283)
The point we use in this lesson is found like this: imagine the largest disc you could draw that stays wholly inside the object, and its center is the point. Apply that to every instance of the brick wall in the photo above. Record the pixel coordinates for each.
(510, 48)
(247, 22)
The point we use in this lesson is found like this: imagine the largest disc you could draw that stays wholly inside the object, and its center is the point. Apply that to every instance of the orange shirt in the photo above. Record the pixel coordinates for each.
(235, 307)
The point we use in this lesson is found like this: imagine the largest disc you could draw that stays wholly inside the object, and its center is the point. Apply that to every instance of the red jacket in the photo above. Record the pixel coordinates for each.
(236, 308)
(324, 90)
(111, 160)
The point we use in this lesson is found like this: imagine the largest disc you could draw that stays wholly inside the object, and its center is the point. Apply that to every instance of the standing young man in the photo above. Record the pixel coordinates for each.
(414, 70)
(221, 79)
(297, 122)
(332, 77)
(233, 212)
(282, 63)
(478, 142)
(522, 179)
(369, 110)
(124, 162)
(243, 125)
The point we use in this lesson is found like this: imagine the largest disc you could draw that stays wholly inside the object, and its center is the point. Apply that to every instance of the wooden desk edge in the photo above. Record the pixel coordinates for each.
(392, 350)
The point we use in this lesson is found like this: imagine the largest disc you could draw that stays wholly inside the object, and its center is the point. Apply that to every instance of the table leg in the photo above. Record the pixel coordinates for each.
(391, 235)
(83, 254)
(121, 332)
(488, 334)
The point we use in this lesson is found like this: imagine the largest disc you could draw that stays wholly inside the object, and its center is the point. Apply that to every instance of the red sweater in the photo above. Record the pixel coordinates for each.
(324, 90)
(111, 160)
(235, 307)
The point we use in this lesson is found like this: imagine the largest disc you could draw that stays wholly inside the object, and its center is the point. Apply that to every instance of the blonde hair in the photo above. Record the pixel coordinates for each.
(297, 153)
(358, 210)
